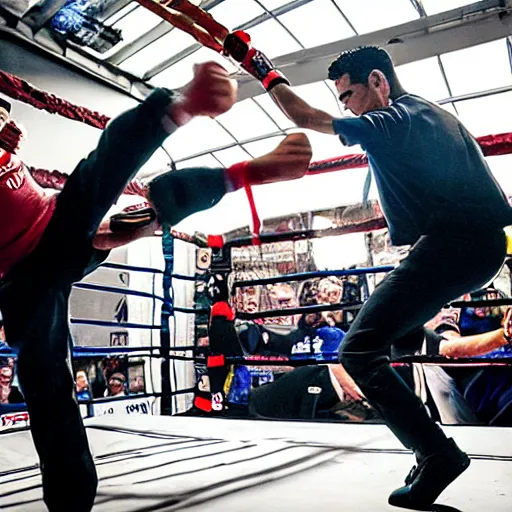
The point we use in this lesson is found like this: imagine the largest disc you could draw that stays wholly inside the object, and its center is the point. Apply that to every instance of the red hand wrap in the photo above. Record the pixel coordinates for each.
(243, 36)
(238, 175)
(256, 222)
(248, 63)
(223, 309)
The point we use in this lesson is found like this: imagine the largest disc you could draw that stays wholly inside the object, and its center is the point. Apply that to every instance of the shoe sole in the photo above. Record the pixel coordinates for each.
(407, 500)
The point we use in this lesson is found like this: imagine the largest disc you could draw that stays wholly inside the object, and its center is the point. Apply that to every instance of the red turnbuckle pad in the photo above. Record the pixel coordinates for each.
(215, 361)
(203, 403)
(223, 309)
(215, 241)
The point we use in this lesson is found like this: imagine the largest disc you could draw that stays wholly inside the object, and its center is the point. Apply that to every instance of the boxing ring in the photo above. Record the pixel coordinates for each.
(147, 461)
(157, 463)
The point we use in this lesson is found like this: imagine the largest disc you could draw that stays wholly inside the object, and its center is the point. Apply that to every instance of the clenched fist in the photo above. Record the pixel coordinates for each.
(210, 93)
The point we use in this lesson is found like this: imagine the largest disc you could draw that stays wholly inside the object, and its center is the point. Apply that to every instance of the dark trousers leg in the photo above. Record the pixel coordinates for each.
(178, 194)
(38, 317)
(34, 302)
(435, 272)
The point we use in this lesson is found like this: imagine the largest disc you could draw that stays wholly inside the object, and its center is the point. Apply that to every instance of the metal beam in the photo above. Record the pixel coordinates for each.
(113, 8)
(15, 8)
(457, 29)
(79, 63)
(167, 63)
(460, 28)
(475, 95)
(38, 15)
(140, 43)
(162, 66)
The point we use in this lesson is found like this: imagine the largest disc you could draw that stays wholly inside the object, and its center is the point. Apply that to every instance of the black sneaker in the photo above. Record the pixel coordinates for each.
(430, 478)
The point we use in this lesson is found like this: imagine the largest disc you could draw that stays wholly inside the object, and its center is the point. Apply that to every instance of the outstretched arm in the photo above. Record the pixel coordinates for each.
(471, 346)
(238, 45)
(300, 112)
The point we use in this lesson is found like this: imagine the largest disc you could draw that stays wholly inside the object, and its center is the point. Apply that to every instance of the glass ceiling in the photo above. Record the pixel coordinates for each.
(279, 27)
(255, 126)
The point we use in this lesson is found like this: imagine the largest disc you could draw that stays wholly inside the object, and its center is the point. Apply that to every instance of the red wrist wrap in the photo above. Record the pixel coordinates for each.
(270, 78)
(238, 174)
(274, 78)
(256, 222)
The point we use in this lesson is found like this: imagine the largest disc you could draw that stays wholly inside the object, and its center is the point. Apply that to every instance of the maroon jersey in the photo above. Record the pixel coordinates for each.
(25, 211)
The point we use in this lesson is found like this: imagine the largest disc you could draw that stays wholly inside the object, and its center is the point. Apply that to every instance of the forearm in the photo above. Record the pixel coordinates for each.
(298, 111)
(475, 345)
(347, 383)
(238, 45)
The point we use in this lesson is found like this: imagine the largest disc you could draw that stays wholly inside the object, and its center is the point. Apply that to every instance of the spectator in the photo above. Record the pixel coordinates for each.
(82, 386)
(116, 385)
(9, 394)
(137, 384)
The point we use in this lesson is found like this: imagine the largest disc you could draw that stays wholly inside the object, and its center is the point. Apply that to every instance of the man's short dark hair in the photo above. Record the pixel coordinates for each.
(360, 62)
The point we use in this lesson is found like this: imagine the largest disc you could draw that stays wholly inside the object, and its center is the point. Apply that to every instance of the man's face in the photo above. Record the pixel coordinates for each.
(250, 296)
(81, 381)
(329, 292)
(5, 375)
(115, 386)
(358, 98)
(137, 384)
(282, 296)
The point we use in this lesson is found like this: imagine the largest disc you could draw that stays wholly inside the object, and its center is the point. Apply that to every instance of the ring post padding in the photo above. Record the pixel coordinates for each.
(166, 313)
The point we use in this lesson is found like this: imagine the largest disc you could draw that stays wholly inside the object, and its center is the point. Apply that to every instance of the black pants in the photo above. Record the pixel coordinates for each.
(34, 301)
(437, 270)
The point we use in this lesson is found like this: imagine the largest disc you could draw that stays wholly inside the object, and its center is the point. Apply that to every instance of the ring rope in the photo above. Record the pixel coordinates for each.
(82, 350)
(166, 313)
(280, 360)
(21, 90)
(123, 266)
(311, 275)
(116, 289)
